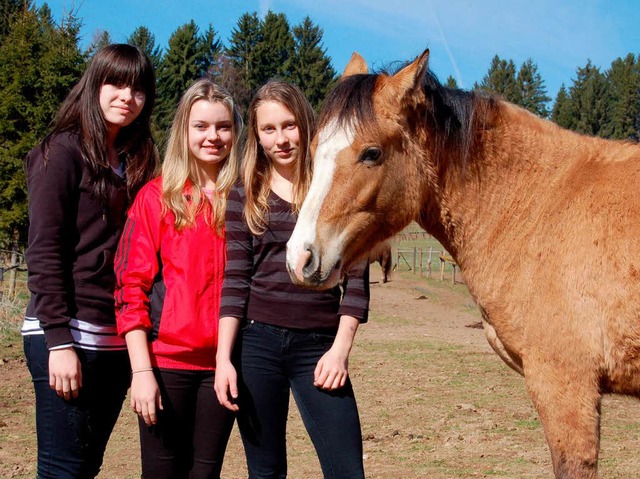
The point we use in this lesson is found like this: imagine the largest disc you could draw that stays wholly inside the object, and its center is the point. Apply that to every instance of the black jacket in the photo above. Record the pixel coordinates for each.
(72, 240)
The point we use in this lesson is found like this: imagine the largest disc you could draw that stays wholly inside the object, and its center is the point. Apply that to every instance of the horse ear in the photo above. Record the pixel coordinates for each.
(356, 66)
(409, 79)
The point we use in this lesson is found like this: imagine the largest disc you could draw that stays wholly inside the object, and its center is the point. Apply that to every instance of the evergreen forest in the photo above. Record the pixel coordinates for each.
(41, 59)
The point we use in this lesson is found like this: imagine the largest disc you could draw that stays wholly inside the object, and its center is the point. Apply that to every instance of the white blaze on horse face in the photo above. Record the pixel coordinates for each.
(331, 141)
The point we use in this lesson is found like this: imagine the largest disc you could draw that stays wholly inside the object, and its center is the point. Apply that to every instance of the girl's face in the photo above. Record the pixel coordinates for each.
(120, 105)
(210, 132)
(278, 133)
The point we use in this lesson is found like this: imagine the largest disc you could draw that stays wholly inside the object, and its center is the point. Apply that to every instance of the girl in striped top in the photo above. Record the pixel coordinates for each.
(284, 338)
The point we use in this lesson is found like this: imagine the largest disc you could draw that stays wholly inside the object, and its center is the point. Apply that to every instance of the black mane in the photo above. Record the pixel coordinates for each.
(350, 101)
(449, 112)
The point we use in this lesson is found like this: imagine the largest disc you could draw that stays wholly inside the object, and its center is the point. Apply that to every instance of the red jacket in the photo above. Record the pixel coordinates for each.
(169, 283)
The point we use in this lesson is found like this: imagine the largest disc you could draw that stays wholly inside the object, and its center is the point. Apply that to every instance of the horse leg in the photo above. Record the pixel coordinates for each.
(568, 404)
(384, 264)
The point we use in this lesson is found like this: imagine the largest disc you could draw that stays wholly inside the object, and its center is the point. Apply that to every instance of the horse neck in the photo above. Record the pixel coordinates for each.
(472, 198)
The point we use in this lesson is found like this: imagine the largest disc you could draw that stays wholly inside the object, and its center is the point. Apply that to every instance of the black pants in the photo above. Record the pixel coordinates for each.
(73, 434)
(191, 435)
(273, 362)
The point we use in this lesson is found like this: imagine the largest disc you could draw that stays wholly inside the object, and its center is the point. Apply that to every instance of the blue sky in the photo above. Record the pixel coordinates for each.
(462, 35)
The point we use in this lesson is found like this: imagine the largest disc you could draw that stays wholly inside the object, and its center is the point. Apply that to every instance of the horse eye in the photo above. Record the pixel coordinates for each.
(371, 155)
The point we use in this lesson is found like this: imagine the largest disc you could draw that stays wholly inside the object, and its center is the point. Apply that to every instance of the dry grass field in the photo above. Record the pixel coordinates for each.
(435, 401)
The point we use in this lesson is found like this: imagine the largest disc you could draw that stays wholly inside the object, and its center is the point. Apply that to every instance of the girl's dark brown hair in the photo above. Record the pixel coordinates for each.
(117, 64)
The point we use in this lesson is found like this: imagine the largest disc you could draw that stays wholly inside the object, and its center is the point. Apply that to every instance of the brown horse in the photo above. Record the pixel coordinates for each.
(507, 194)
(382, 253)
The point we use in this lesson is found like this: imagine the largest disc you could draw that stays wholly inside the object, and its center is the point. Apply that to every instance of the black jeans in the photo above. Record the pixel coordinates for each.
(192, 432)
(73, 435)
(272, 362)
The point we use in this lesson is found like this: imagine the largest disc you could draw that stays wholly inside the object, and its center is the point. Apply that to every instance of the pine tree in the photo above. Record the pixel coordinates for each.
(451, 82)
(273, 53)
(40, 64)
(101, 39)
(501, 79)
(590, 99)
(562, 112)
(180, 66)
(189, 57)
(209, 49)
(240, 51)
(146, 41)
(624, 83)
(311, 68)
(533, 93)
(8, 10)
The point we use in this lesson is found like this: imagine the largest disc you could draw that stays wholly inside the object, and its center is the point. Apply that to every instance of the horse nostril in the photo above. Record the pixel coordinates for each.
(309, 260)
(303, 264)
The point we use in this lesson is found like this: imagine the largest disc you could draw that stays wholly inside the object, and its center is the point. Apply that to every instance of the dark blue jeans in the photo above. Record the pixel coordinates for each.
(73, 435)
(192, 432)
(272, 362)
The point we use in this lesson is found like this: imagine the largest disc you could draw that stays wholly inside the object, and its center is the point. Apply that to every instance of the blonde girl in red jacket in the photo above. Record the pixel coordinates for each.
(169, 269)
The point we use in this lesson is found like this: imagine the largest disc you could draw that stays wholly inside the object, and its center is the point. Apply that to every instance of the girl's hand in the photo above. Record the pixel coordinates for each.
(65, 372)
(331, 373)
(146, 400)
(226, 385)
(332, 370)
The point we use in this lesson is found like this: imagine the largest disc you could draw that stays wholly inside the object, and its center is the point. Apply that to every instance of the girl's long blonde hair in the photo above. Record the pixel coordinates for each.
(179, 169)
(256, 165)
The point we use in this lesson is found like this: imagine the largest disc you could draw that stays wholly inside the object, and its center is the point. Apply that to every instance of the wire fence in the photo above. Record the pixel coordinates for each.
(412, 253)
(418, 252)
(428, 262)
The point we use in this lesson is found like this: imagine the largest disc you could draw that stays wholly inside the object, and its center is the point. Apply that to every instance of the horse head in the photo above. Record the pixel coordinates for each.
(367, 174)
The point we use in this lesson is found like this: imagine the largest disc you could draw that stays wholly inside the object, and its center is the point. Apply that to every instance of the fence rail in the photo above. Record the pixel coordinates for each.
(422, 260)
(425, 261)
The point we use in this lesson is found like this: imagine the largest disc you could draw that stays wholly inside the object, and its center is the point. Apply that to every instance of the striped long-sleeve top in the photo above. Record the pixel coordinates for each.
(256, 282)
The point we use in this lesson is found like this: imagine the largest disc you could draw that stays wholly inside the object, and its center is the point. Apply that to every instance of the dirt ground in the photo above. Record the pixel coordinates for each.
(434, 401)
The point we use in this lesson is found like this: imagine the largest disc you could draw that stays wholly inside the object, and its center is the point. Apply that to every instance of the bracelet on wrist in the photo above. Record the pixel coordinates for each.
(143, 370)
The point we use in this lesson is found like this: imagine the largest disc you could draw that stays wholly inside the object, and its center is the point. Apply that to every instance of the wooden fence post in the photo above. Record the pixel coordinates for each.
(12, 275)
(415, 251)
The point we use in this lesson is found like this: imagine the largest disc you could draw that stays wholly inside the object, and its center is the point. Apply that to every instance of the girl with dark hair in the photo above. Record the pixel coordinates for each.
(80, 180)
(289, 339)
(169, 270)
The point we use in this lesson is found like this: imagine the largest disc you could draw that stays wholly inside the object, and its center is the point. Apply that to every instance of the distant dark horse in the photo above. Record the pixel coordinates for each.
(382, 254)
(510, 196)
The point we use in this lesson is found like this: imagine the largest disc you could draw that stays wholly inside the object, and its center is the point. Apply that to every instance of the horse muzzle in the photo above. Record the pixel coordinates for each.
(309, 268)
